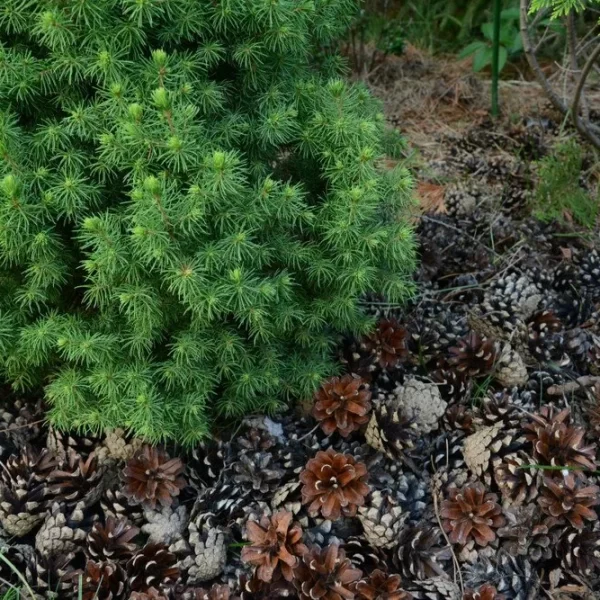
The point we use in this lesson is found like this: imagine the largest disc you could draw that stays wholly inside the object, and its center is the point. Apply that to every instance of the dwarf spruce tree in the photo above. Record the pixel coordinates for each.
(190, 208)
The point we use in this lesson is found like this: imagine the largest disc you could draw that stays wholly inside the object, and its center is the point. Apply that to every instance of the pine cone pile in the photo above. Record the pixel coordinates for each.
(454, 456)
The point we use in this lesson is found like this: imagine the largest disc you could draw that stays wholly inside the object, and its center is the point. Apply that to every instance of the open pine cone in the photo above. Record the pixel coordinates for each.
(557, 443)
(325, 574)
(152, 476)
(380, 586)
(387, 343)
(342, 404)
(420, 552)
(77, 479)
(473, 355)
(334, 485)
(276, 545)
(566, 499)
(100, 581)
(471, 513)
(151, 567)
(112, 541)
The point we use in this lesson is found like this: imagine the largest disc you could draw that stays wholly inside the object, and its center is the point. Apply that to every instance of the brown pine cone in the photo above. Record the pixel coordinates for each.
(473, 355)
(517, 483)
(77, 479)
(545, 341)
(471, 513)
(454, 385)
(100, 581)
(485, 592)
(557, 443)
(387, 343)
(151, 567)
(152, 476)
(342, 404)
(276, 545)
(419, 551)
(566, 498)
(325, 574)
(334, 485)
(112, 541)
(379, 586)
(458, 417)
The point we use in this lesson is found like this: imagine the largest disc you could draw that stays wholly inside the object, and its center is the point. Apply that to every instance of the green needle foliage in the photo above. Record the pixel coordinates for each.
(190, 209)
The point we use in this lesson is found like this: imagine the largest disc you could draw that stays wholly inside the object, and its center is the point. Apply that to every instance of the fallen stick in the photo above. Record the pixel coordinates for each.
(572, 386)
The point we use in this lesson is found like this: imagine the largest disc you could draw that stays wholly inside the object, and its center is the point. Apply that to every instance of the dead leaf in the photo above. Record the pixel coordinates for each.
(432, 198)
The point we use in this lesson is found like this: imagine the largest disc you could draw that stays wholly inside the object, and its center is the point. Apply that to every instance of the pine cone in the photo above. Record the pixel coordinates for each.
(119, 446)
(215, 592)
(471, 513)
(458, 417)
(382, 520)
(498, 408)
(387, 343)
(380, 586)
(487, 441)
(435, 588)
(557, 443)
(342, 404)
(473, 355)
(525, 534)
(62, 444)
(325, 574)
(257, 473)
(64, 530)
(165, 525)
(420, 402)
(334, 485)
(517, 483)
(485, 592)
(567, 499)
(363, 555)
(114, 503)
(419, 553)
(151, 567)
(100, 581)
(23, 492)
(276, 545)
(112, 541)
(580, 551)
(152, 476)
(454, 385)
(77, 480)
(390, 431)
(207, 462)
(51, 576)
(510, 368)
(546, 343)
(202, 556)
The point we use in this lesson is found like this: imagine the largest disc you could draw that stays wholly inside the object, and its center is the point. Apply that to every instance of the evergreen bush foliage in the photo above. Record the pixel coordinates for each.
(190, 208)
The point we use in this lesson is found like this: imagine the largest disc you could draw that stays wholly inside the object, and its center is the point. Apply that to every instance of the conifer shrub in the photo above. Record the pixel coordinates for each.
(191, 209)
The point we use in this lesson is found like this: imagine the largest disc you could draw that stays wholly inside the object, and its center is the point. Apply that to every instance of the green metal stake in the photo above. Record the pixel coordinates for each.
(496, 57)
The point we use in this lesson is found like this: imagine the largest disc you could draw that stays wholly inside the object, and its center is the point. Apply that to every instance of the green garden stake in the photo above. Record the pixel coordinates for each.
(496, 57)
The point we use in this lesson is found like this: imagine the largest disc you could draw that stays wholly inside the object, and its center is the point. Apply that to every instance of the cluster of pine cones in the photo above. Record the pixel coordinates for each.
(452, 458)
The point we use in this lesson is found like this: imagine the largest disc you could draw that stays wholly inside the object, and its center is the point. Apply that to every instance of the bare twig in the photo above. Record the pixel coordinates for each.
(572, 386)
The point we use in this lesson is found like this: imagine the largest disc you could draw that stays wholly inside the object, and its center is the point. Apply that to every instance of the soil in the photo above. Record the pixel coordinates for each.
(501, 347)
